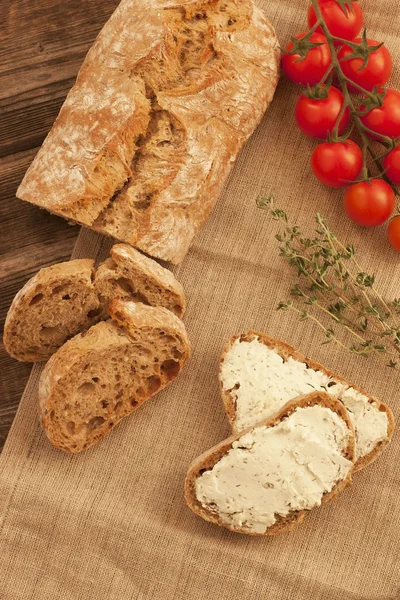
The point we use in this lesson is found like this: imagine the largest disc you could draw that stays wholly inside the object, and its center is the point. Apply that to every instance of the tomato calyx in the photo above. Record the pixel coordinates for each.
(346, 5)
(361, 50)
(365, 177)
(375, 99)
(317, 92)
(302, 46)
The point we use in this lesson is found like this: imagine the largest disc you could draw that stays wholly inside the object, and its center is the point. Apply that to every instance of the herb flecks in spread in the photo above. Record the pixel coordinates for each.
(273, 471)
(260, 379)
(333, 284)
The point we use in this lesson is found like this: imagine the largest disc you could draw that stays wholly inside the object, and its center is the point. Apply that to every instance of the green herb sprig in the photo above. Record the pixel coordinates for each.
(332, 285)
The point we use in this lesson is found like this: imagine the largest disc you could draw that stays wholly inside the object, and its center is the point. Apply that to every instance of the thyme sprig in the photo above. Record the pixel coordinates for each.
(333, 285)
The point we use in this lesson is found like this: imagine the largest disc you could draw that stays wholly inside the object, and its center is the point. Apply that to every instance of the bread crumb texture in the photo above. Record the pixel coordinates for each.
(131, 275)
(54, 305)
(104, 374)
(68, 298)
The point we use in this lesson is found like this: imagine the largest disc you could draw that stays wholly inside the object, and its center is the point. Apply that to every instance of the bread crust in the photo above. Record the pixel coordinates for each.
(286, 351)
(133, 324)
(128, 274)
(211, 457)
(90, 167)
(135, 315)
(150, 282)
(22, 328)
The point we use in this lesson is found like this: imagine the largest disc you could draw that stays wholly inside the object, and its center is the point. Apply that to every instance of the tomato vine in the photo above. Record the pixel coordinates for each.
(351, 89)
(375, 98)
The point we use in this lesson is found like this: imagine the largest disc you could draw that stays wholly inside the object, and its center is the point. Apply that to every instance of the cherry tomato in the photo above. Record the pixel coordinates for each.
(369, 203)
(345, 24)
(377, 70)
(318, 117)
(391, 164)
(337, 163)
(394, 233)
(311, 69)
(385, 119)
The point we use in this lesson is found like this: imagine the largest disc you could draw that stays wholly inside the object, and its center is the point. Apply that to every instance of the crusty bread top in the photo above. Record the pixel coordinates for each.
(135, 315)
(163, 102)
(336, 385)
(130, 274)
(210, 458)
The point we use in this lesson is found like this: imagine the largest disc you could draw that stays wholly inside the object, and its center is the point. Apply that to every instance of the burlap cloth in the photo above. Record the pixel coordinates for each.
(111, 523)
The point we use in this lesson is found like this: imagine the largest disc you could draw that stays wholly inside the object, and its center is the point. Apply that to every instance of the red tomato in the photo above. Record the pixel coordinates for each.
(318, 117)
(394, 233)
(337, 163)
(386, 119)
(344, 24)
(369, 203)
(311, 69)
(391, 164)
(377, 70)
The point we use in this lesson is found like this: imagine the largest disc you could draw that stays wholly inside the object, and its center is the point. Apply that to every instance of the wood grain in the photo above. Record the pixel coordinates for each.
(42, 45)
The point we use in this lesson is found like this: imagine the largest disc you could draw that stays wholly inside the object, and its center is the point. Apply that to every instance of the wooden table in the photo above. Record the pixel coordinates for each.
(42, 45)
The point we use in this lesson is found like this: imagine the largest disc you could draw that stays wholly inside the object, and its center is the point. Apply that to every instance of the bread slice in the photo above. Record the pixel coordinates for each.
(106, 373)
(66, 299)
(259, 374)
(131, 275)
(265, 480)
(54, 305)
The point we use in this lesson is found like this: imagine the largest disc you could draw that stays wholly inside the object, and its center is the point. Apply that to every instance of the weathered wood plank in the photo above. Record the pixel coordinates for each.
(42, 45)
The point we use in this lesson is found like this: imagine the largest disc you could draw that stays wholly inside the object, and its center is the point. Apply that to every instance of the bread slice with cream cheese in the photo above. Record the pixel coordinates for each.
(266, 479)
(259, 374)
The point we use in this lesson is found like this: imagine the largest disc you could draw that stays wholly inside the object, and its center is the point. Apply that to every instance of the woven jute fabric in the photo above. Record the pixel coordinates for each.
(111, 523)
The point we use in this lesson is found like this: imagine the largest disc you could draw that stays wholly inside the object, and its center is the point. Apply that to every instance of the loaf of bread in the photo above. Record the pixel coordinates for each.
(265, 480)
(102, 375)
(259, 374)
(68, 298)
(164, 101)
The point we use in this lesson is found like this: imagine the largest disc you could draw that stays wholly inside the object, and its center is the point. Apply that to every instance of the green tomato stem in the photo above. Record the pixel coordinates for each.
(348, 101)
(314, 27)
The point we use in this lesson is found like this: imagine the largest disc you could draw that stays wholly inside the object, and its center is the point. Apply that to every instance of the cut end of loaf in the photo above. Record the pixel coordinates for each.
(68, 298)
(103, 375)
(288, 522)
(53, 306)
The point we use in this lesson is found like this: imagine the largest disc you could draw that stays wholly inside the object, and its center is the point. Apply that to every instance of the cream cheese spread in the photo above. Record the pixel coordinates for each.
(264, 382)
(276, 470)
(370, 424)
